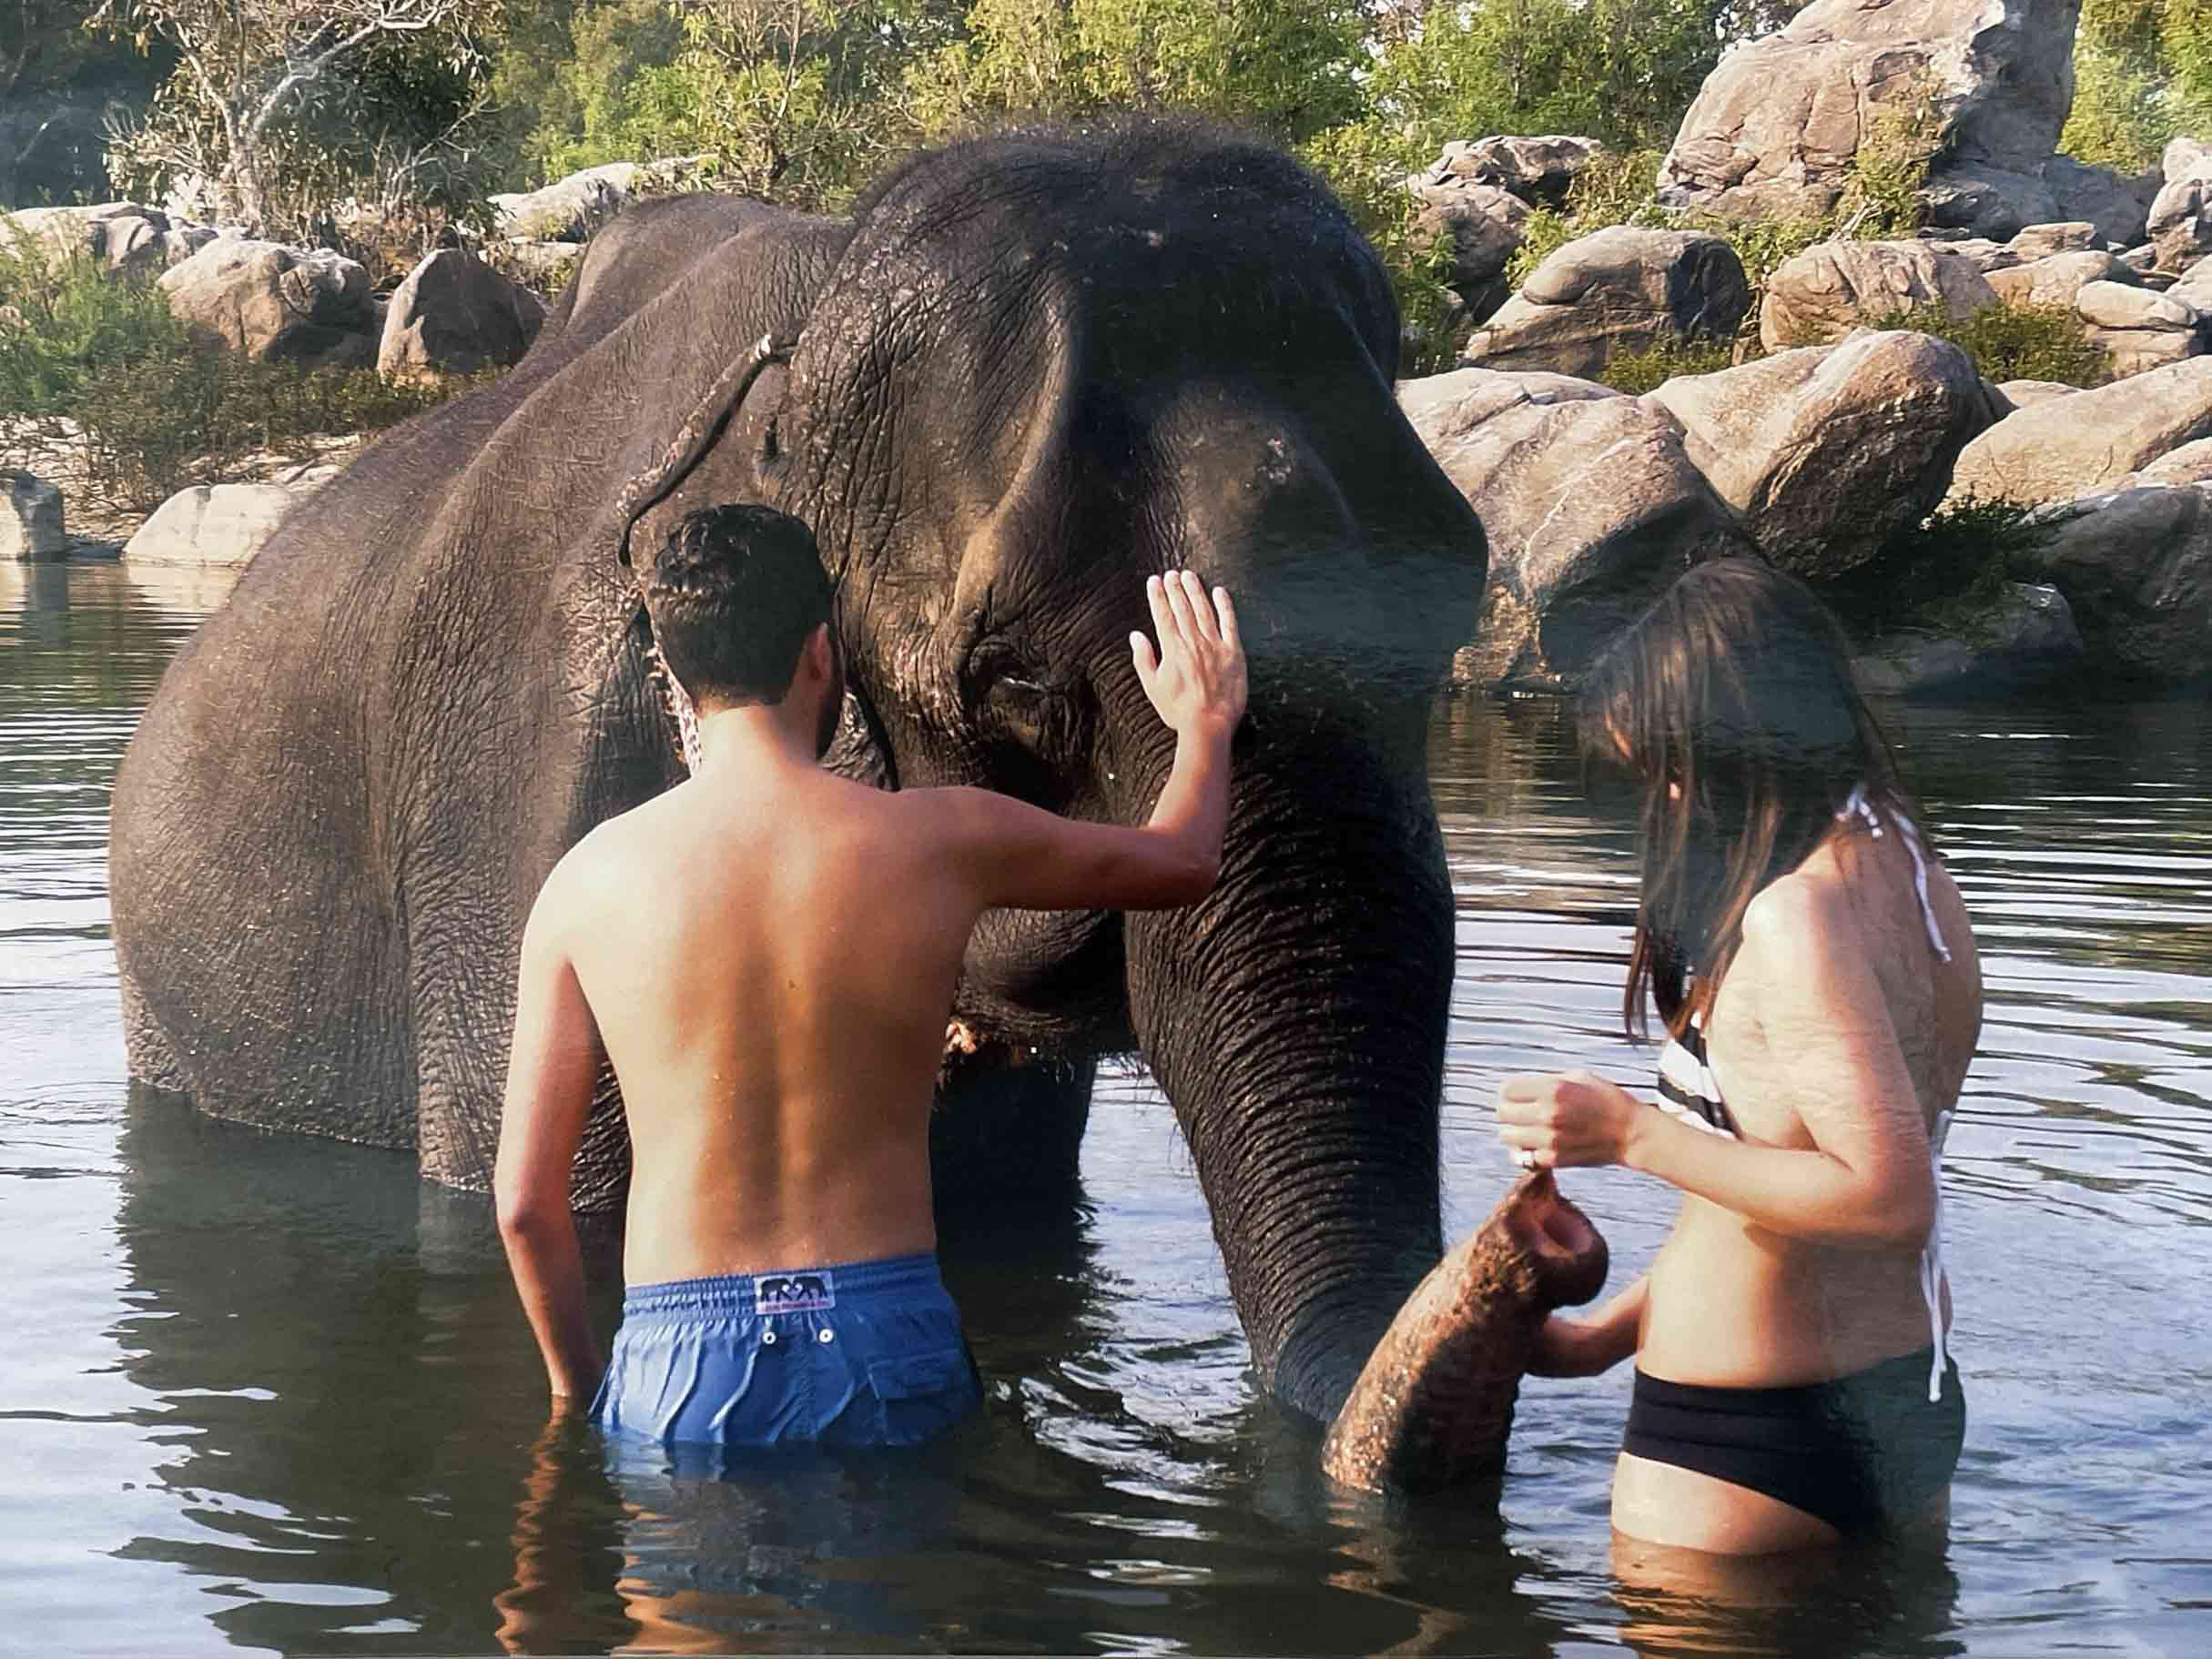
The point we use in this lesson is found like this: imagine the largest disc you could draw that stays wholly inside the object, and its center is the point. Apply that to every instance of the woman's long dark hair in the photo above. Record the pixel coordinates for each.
(1737, 688)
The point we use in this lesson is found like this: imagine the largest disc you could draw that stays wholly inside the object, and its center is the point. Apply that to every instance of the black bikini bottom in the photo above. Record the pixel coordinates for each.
(1863, 1453)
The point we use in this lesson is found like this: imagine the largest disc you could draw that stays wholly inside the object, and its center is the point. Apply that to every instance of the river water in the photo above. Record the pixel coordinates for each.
(274, 1393)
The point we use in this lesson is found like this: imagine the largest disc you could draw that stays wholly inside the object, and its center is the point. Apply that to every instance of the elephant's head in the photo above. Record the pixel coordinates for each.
(1041, 366)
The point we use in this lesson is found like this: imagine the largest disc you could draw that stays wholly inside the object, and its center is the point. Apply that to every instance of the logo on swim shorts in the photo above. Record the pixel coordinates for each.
(794, 1293)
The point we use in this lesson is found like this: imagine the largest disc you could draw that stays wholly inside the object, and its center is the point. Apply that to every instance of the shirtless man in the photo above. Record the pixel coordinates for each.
(767, 954)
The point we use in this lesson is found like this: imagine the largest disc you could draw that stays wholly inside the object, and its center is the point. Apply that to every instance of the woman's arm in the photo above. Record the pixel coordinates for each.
(1568, 1347)
(1867, 1179)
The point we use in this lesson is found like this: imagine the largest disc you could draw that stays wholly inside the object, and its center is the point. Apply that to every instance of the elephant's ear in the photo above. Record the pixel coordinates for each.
(708, 417)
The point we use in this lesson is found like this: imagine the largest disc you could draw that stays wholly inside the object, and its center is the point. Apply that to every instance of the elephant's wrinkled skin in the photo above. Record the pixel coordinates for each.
(1028, 370)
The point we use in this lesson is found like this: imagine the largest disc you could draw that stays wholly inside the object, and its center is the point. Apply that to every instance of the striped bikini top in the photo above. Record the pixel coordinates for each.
(1689, 1092)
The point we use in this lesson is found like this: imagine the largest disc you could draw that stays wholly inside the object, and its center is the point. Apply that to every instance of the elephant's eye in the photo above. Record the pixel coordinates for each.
(1019, 698)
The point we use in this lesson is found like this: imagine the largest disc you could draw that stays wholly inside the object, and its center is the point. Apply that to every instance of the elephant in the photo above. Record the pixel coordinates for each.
(1027, 369)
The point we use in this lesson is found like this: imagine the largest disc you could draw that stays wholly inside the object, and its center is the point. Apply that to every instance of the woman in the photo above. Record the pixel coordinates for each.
(1813, 965)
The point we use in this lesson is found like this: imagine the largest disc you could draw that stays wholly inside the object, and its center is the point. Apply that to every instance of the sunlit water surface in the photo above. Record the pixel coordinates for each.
(274, 1393)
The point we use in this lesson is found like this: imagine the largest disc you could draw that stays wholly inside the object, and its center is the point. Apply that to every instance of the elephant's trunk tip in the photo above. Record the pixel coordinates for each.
(1435, 1403)
(1570, 1254)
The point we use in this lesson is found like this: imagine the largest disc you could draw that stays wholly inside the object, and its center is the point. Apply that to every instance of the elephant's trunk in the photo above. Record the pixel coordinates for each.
(1433, 1405)
(1297, 1020)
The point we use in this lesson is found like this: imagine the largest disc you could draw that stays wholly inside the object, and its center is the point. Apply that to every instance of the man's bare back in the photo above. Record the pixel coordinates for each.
(770, 954)
(767, 954)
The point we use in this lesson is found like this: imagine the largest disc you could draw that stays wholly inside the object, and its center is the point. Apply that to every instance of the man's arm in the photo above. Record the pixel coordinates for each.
(1030, 859)
(551, 1069)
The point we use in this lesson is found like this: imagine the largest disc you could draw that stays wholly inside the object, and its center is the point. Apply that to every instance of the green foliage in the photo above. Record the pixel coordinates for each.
(1289, 67)
(800, 101)
(1765, 245)
(77, 326)
(2013, 342)
(1637, 372)
(2121, 117)
(280, 110)
(2185, 31)
(1613, 188)
(1366, 164)
(155, 409)
(1944, 574)
(1881, 193)
(2142, 75)
(1620, 70)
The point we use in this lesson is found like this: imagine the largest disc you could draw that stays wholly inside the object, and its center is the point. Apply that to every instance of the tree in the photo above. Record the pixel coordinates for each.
(1289, 67)
(248, 66)
(1621, 70)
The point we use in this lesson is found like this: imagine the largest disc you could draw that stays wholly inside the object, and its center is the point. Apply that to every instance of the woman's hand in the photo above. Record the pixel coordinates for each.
(1570, 1347)
(1567, 1119)
(1589, 1346)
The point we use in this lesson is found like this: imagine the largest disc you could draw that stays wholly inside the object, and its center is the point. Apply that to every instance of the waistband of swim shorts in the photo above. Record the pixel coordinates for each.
(727, 1294)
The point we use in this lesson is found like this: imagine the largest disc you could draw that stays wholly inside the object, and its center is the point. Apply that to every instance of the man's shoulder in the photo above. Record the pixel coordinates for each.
(581, 872)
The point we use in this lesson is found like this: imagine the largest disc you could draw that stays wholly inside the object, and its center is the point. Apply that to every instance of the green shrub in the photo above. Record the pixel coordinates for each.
(2122, 116)
(154, 407)
(1944, 574)
(1613, 188)
(1765, 245)
(78, 324)
(2013, 342)
(1636, 372)
(1365, 164)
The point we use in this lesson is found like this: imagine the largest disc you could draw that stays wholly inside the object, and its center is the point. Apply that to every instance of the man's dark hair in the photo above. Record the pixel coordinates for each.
(733, 597)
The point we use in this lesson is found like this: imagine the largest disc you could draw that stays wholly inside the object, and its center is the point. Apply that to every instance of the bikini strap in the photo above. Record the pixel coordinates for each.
(1932, 1265)
(1860, 806)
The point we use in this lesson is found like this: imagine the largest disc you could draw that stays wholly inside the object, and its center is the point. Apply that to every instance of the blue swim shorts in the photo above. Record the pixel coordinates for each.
(866, 1354)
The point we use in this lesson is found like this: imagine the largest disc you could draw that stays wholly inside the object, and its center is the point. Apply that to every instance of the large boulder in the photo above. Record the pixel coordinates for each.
(2066, 237)
(1618, 291)
(277, 303)
(2053, 282)
(217, 525)
(2000, 199)
(2026, 394)
(1537, 170)
(2141, 330)
(2189, 465)
(1774, 129)
(2180, 223)
(2136, 568)
(31, 529)
(1832, 287)
(123, 238)
(1827, 451)
(569, 209)
(2195, 288)
(2074, 445)
(2023, 635)
(455, 314)
(1484, 225)
(1589, 503)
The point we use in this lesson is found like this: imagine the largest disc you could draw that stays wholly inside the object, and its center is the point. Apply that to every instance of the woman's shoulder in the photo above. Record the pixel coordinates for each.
(1809, 908)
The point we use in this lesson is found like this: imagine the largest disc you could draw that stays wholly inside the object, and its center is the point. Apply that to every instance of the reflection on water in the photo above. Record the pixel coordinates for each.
(274, 1393)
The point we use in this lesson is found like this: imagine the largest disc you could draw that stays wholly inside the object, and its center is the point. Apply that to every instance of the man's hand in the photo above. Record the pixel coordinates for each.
(1197, 675)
